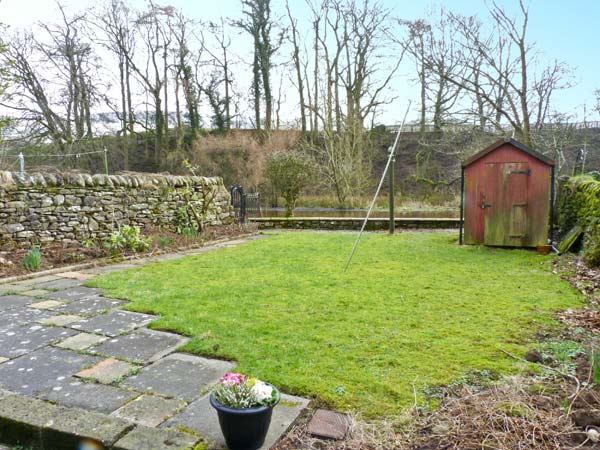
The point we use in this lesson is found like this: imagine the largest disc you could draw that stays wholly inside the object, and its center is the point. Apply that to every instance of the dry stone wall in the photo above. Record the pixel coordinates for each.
(38, 208)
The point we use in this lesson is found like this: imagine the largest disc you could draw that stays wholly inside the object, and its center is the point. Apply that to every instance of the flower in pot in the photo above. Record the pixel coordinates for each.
(244, 406)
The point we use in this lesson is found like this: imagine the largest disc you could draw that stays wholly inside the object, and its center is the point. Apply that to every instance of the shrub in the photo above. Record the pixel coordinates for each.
(33, 258)
(127, 238)
(289, 173)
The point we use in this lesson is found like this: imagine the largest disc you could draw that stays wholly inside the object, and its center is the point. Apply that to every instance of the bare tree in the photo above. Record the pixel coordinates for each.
(499, 71)
(115, 22)
(54, 90)
(294, 39)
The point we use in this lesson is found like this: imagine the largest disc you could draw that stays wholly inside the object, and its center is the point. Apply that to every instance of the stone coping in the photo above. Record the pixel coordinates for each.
(15, 180)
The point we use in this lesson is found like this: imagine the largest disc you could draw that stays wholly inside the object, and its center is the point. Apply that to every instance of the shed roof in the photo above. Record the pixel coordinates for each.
(509, 141)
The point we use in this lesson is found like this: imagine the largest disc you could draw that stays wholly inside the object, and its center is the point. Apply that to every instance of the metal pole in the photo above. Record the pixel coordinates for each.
(362, 228)
(105, 160)
(462, 205)
(392, 193)
(22, 163)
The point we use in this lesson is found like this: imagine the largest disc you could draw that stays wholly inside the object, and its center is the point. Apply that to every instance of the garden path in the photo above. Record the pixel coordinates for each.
(68, 351)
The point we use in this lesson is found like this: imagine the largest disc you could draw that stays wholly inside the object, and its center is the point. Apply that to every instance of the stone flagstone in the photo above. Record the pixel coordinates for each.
(201, 417)
(156, 439)
(75, 275)
(42, 369)
(149, 410)
(90, 306)
(14, 301)
(27, 338)
(171, 376)
(81, 341)
(76, 293)
(60, 320)
(46, 304)
(113, 323)
(36, 292)
(95, 397)
(14, 318)
(59, 284)
(141, 345)
(107, 371)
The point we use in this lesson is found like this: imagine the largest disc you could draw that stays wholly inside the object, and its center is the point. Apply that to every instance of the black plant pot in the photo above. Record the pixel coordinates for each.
(244, 429)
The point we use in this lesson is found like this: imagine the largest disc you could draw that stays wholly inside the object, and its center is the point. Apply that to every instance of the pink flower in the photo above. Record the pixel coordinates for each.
(233, 379)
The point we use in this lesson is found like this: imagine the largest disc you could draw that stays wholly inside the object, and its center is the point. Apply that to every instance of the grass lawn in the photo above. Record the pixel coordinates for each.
(413, 309)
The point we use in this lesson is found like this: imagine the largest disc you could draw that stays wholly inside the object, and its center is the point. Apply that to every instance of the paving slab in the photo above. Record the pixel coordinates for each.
(14, 301)
(156, 439)
(141, 345)
(201, 417)
(46, 304)
(36, 292)
(75, 275)
(81, 341)
(11, 287)
(59, 284)
(3, 359)
(76, 293)
(60, 320)
(113, 323)
(71, 426)
(17, 317)
(328, 424)
(107, 371)
(39, 424)
(95, 397)
(90, 306)
(179, 375)
(149, 410)
(33, 281)
(18, 341)
(42, 369)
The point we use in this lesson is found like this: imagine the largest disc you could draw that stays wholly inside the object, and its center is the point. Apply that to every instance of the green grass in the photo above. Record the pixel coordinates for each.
(414, 309)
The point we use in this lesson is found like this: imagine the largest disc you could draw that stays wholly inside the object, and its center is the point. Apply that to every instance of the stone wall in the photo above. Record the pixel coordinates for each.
(38, 208)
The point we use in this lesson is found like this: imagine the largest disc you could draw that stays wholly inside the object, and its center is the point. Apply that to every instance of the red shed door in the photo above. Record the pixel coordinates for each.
(505, 204)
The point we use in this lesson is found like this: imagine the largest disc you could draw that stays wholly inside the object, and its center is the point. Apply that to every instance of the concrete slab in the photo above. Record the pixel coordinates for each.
(107, 371)
(327, 424)
(46, 304)
(90, 306)
(37, 280)
(201, 417)
(81, 341)
(42, 369)
(155, 439)
(27, 338)
(59, 284)
(149, 410)
(76, 293)
(60, 320)
(11, 287)
(113, 323)
(179, 375)
(141, 345)
(91, 396)
(14, 301)
(22, 419)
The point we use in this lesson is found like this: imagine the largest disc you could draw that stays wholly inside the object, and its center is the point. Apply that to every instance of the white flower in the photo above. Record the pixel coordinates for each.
(262, 391)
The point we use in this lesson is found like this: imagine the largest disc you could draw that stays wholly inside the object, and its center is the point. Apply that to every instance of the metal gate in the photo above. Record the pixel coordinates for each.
(238, 201)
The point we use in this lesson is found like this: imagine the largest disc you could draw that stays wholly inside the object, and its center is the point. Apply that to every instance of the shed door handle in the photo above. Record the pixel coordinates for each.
(486, 205)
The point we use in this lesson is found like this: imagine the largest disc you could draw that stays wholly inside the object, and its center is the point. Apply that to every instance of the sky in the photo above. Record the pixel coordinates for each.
(563, 30)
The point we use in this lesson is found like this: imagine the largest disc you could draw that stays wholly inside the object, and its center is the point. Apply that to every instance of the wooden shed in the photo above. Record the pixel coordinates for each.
(507, 196)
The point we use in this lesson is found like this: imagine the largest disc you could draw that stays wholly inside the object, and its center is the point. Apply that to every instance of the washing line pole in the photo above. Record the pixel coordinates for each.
(391, 156)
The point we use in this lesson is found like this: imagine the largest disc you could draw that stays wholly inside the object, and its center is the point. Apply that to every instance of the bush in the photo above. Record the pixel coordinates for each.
(289, 173)
(127, 238)
(33, 258)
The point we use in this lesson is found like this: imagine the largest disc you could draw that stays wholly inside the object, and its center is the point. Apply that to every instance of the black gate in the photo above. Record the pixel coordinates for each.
(238, 201)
